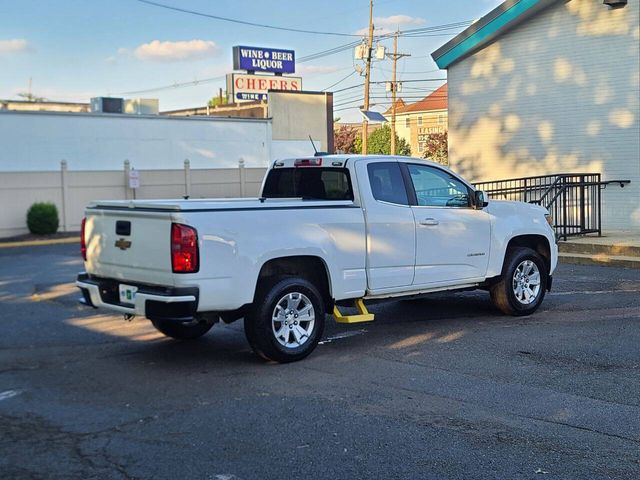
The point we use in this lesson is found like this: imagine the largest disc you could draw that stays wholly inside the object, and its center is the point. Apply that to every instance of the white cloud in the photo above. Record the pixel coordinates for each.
(174, 51)
(395, 20)
(15, 45)
(384, 25)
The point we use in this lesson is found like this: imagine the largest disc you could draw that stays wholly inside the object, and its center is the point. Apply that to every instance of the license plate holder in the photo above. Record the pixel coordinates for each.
(127, 294)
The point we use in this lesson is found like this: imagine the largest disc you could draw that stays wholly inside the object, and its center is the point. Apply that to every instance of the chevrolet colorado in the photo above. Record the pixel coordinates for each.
(326, 231)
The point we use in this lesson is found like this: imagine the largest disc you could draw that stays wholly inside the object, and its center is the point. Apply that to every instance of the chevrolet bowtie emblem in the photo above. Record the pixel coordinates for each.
(123, 244)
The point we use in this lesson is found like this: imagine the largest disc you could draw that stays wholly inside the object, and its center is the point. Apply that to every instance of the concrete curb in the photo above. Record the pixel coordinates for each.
(37, 243)
(599, 260)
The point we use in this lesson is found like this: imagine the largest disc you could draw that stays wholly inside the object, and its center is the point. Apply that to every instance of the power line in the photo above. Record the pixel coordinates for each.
(417, 80)
(330, 51)
(338, 82)
(412, 32)
(172, 86)
(347, 101)
(243, 22)
(357, 107)
(411, 72)
(313, 56)
(348, 88)
(415, 98)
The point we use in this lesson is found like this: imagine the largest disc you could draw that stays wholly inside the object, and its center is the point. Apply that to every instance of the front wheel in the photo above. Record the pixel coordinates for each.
(522, 286)
(182, 331)
(286, 321)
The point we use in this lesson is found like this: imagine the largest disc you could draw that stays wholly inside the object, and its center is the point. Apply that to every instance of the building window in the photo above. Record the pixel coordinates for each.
(407, 122)
(441, 119)
(420, 147)
(419, 121)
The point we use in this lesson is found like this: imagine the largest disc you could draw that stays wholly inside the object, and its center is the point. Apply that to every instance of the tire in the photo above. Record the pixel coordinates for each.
(517, 292)
(182, 331)
(286, 320)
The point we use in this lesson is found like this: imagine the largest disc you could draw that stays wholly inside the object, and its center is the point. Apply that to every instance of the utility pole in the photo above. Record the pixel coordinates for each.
(365, 122)
(394, 88)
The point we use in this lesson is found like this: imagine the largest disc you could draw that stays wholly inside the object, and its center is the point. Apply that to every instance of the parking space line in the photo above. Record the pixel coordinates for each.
(9, 394)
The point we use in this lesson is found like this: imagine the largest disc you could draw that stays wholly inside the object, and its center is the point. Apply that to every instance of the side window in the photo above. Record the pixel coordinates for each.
(438, 188)
(386, 182)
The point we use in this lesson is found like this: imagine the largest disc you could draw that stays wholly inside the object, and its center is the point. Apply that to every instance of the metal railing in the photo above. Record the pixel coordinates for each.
(573, 199)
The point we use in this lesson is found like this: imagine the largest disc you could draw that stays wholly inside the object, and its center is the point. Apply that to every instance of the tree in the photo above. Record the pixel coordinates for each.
(344, 139)
(380, 142)
(217, 100)
(437, 148)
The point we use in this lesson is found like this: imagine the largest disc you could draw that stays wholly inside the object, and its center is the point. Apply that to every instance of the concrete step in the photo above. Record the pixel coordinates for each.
(614, 249)
(600, 259)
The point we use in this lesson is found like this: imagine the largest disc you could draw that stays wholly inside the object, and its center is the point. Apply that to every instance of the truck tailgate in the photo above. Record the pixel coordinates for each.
(129, 245)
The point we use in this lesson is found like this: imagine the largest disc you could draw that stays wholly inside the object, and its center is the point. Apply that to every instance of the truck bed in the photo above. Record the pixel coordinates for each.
(211, 204)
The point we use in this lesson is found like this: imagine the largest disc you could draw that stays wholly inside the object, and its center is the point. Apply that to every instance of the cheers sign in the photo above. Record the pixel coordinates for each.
(246, 87)
(264, 59)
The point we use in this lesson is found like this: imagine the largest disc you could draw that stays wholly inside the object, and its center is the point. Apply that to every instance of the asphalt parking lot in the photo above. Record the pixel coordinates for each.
(442, 387)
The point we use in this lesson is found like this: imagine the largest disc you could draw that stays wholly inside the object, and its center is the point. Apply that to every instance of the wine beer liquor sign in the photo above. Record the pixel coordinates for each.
(249, 86)
(258, 59)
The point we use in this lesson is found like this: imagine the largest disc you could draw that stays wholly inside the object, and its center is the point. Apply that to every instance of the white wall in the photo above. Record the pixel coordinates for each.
(33, 141)
(18, 190)
(298, 115)
(559, 93)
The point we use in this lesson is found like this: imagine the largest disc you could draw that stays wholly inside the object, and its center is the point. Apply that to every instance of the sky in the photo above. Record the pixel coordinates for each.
(73, 50)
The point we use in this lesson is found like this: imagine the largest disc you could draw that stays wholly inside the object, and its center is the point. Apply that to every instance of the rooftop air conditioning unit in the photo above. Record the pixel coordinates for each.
(107, 105)
(615, 3)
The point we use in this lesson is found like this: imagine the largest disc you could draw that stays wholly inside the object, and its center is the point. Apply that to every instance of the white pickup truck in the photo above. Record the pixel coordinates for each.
(326, 231)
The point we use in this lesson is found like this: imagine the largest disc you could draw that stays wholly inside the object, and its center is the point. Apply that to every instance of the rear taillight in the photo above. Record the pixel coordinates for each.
(83, 242)
(184, 249)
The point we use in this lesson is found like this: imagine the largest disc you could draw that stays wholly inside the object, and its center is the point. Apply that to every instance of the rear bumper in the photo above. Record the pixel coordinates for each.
(154, 302)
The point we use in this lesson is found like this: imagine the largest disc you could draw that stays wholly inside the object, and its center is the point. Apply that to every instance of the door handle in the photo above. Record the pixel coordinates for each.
(429, 221)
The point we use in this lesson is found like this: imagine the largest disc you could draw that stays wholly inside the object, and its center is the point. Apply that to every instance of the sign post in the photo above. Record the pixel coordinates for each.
(134, 181)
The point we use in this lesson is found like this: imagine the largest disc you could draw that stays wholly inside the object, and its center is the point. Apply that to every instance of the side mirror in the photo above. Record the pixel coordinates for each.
(481, 199)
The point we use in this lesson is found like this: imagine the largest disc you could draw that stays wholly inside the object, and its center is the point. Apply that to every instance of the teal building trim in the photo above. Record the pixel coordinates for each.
(485, 32)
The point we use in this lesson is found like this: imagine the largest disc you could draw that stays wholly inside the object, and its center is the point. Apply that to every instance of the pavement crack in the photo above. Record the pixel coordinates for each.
(578, 427)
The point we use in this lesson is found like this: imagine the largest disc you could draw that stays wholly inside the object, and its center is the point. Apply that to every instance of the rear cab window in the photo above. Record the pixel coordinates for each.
(387, 184)
(308, 183)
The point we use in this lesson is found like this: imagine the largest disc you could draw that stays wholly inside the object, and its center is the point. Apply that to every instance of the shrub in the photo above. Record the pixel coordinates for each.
(42, 218)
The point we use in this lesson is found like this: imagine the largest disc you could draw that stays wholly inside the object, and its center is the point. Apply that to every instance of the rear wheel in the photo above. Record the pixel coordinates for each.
(286, 321)
(182, 331)
(523, 283)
